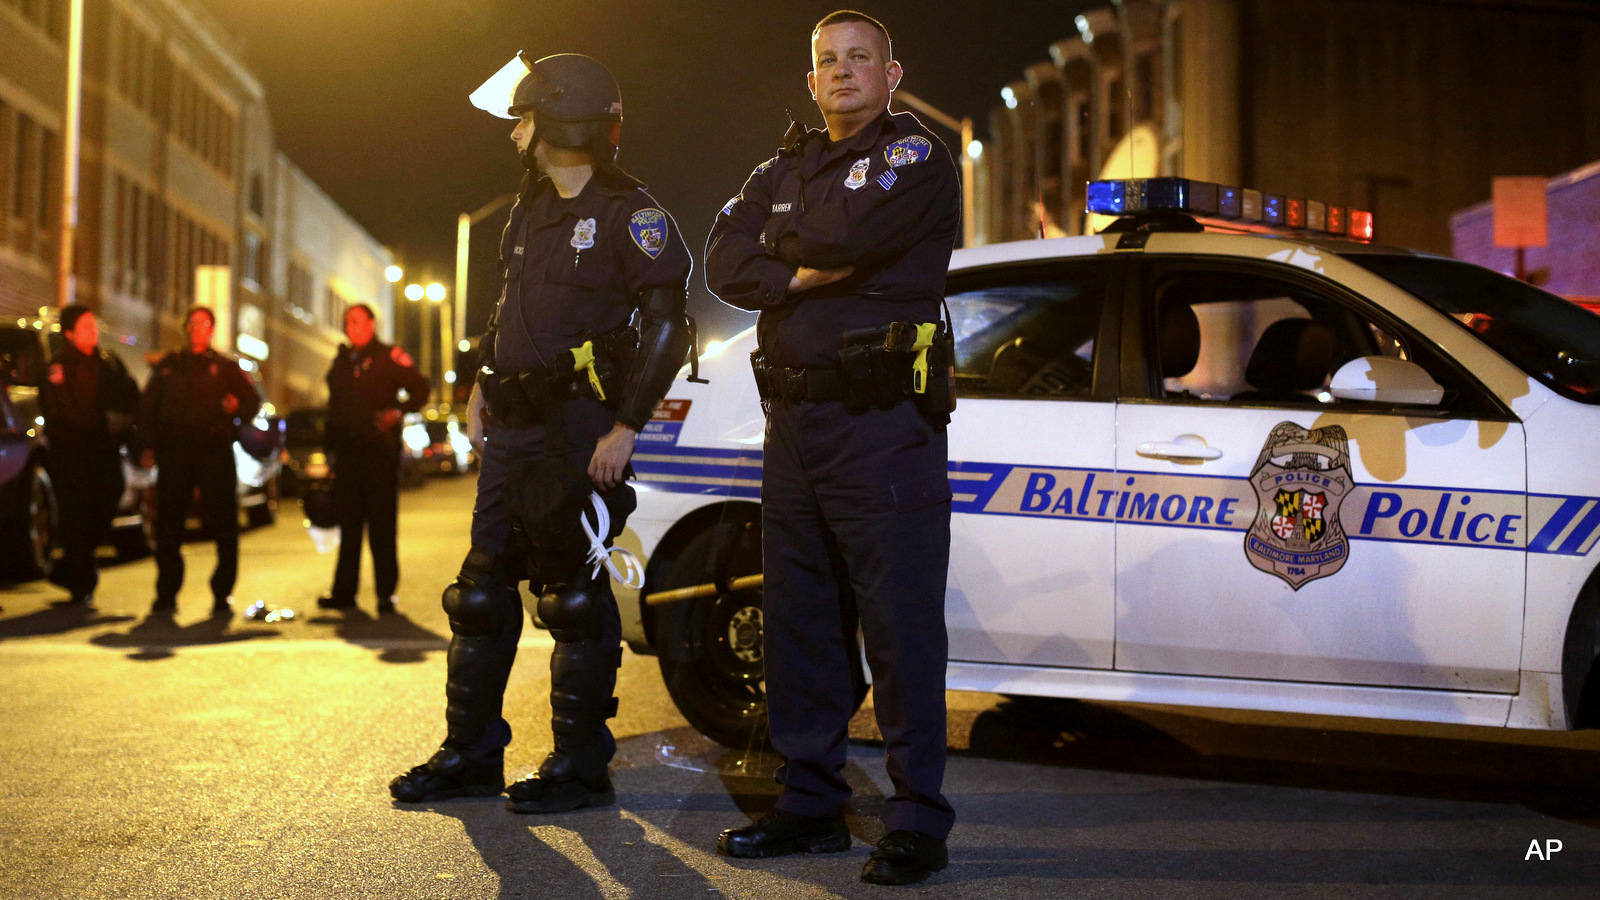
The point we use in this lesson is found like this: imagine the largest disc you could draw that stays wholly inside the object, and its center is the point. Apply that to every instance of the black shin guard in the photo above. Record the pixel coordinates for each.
(485, 623)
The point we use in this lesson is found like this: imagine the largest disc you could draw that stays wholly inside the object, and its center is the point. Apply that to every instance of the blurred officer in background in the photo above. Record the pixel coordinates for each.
(363, 440)
(841, 242)
(89, 402)
(568, 386)
(189, 418)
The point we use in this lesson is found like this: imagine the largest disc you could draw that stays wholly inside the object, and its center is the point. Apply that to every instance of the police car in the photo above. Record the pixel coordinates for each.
(1225, 453)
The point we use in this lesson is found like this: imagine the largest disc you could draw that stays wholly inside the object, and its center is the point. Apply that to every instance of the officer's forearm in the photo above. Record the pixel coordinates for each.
(662, 347)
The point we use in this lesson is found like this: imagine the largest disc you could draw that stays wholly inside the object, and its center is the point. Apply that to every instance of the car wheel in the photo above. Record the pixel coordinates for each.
(30, 533)
(710, 649)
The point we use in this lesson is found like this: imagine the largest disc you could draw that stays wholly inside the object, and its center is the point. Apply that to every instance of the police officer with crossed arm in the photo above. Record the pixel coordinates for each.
(568, 385)
(364, 420)
(842, 242)
(190, 414)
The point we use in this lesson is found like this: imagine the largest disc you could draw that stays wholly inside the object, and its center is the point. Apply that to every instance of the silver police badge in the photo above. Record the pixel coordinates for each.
(858, 173)
(1300, 479)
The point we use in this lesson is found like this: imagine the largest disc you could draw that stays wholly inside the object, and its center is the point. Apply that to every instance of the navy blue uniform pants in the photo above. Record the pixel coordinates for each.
(366, 497)
(505, 452)
(856, 523)
(88, 483)
(178, 475)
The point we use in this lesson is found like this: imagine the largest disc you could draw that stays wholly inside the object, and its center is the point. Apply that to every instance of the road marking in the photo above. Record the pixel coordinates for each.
(570, 844)
(730, 880)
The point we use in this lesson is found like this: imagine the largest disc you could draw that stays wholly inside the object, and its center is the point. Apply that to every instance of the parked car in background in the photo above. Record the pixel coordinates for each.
(443, 443)
(304, 459)
(27, 495)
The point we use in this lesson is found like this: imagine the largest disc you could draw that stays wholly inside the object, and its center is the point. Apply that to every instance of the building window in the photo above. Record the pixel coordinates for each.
(1116, 109)
(258, 196)
(49, 16)
(201, 122)
(1144, 97)
(247, 259)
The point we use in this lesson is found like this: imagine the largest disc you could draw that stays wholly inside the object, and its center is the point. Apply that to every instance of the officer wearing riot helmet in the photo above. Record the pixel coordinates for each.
(89, 401)
(567, 386)
(190, 413)
(363, 440)
(842, 242)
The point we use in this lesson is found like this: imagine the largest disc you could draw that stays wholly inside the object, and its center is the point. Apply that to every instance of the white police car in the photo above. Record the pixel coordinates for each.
(1293, 472)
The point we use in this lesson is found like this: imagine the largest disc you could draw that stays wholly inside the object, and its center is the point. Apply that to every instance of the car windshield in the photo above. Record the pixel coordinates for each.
(1553, 340)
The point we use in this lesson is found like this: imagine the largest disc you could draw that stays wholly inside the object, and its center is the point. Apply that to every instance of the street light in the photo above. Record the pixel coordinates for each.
(464, 224)
(436, 293)
(413, 292)
(394, 274)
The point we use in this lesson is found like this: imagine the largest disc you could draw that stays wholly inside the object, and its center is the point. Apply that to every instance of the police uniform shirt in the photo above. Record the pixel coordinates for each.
(364, 382)
(886, 201)
(575, 265)
(79, 389)
(183, 402)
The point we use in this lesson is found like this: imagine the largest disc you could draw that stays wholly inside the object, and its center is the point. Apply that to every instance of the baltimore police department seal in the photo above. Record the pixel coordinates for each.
(1301, 478)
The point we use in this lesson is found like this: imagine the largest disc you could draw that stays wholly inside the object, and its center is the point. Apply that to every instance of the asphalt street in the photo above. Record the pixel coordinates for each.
(249, 760)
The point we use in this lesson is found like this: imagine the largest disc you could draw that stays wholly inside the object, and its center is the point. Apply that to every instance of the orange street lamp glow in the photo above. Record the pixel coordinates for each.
(436, 292)
(393, 273)
(413, 292)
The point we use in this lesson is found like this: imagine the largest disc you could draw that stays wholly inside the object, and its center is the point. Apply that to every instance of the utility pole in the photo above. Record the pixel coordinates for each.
(70, 151)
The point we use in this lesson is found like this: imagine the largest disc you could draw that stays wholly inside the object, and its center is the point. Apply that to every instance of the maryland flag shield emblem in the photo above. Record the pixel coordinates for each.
(1301, 478)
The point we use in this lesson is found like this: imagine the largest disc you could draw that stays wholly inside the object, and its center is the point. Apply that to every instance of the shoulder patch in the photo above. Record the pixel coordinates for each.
(732, 201)
(907, 150)
(649, 230)
(764, 166)
(399, 355)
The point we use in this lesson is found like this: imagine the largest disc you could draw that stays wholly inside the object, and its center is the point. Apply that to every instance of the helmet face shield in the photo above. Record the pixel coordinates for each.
(495, 96)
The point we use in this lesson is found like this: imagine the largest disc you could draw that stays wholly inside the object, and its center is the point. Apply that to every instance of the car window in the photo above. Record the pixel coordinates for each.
(1027, 332)
(1551, 339)
(1251, 338)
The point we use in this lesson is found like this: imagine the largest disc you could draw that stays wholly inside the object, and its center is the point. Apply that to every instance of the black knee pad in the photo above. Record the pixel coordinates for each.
(571, 611)
(473, 611)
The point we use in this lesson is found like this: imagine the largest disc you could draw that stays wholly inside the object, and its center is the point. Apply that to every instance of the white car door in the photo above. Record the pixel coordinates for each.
(1267, 530)
(1037, 384)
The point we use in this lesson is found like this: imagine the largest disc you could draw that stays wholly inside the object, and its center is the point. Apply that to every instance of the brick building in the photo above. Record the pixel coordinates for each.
(178, 172)
(1404, 108)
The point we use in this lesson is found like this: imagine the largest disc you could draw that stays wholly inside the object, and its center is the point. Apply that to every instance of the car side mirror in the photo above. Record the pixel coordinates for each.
(1385, 379)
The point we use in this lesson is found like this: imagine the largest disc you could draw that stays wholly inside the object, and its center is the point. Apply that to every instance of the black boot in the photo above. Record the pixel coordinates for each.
(452, 773)
(558, 787)
(780, 833)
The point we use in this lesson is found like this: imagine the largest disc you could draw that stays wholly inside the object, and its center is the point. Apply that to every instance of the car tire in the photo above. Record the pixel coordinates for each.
(28, 536)
(710, 649)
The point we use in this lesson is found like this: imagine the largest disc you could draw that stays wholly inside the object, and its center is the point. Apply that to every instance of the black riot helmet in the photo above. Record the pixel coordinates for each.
(576, 103)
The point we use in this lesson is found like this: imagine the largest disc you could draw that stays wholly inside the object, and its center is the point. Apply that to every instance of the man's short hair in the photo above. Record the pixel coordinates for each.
(201, 311)
(71, 314)
(842, 16)
(364, 308)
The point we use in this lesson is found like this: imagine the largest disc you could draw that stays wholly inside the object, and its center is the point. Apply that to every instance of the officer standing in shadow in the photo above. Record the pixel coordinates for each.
(189, 417)
(363, 440)
(89, 403)
(568, 385)
(842, 242)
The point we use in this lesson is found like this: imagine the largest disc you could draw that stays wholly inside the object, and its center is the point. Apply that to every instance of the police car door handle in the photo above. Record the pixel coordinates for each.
(1184, 446)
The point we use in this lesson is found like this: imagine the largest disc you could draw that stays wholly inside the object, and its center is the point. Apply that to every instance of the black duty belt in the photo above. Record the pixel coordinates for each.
(796, 385)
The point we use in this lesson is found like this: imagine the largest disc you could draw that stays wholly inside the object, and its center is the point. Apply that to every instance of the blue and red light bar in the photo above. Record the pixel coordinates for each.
(1229, 205)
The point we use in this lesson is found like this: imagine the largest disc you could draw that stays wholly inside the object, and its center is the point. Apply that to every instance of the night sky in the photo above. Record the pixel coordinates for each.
(369, 97)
